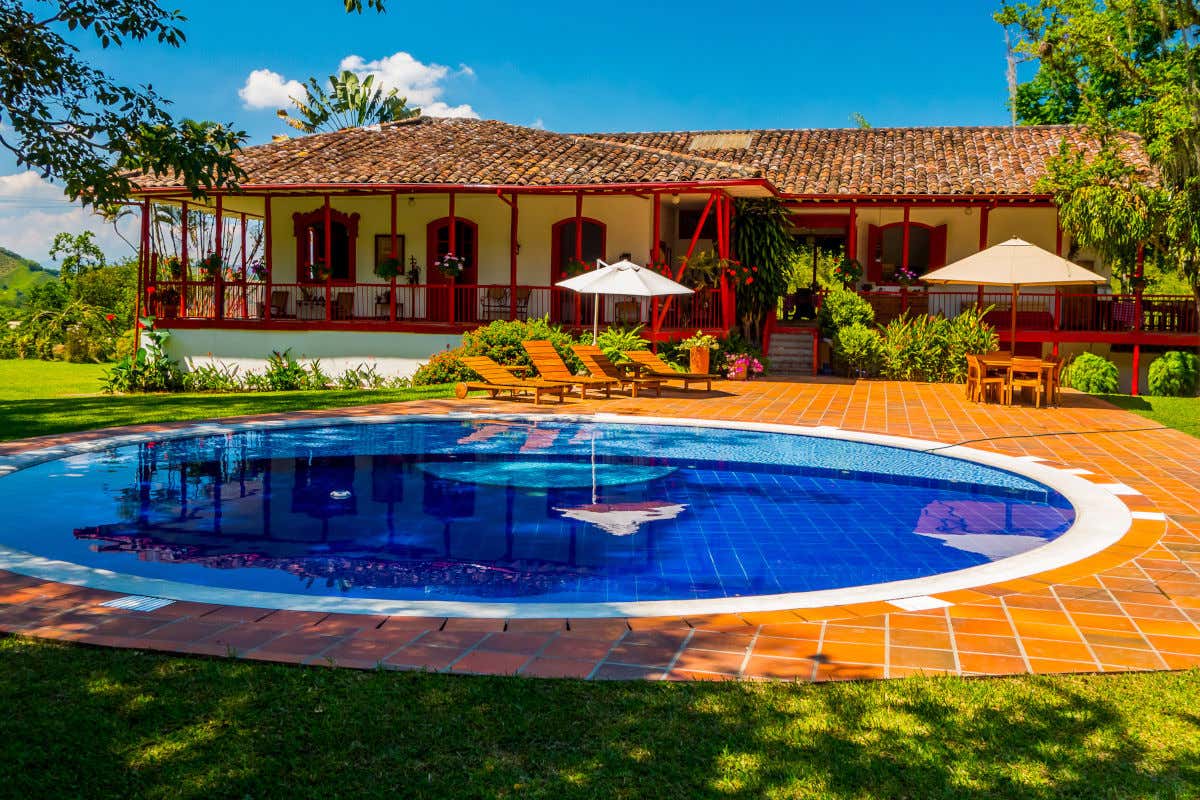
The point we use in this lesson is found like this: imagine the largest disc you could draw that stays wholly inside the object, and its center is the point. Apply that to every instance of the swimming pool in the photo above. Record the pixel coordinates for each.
(518, 515)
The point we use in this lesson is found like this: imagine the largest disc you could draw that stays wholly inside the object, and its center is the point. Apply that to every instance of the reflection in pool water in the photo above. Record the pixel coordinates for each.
(546, 511)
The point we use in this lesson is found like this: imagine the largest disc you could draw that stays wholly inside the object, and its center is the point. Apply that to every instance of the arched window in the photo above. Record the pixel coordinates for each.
(885, 250)
(594, 239)
(309, 230)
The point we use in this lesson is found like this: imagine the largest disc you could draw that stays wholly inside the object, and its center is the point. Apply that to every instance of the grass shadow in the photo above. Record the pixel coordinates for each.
(121, 723)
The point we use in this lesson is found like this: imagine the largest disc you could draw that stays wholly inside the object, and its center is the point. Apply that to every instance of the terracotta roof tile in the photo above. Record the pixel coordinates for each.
(904, 161)
(900, 161)
(466, 151)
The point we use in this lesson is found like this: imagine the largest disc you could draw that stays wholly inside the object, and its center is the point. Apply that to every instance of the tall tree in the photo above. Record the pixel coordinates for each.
(72, 122)
(350, 102)
(1116, 66)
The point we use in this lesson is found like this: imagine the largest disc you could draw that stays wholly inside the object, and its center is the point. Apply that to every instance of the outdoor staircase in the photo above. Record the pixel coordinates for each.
(791, 352)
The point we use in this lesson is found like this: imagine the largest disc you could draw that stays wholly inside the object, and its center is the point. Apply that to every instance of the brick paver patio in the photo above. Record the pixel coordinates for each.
(1134, 606)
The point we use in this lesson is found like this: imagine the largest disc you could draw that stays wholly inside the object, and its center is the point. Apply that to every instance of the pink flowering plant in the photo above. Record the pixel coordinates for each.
(742, 364)
(451, 265)
(905, 276)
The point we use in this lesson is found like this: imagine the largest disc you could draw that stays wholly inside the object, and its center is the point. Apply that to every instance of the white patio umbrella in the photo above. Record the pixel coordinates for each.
(1014, 263)
(621, 278)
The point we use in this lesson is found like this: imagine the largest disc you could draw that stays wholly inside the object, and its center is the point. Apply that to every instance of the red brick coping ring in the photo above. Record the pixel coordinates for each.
(849, 639)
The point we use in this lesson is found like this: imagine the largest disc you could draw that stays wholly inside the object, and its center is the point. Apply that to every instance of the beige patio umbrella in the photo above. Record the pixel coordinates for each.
(1014, 263)
(622, 278)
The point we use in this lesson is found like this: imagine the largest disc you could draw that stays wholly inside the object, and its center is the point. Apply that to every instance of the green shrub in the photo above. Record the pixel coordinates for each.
(213, 378)
(859, 348)
(1091, 373)
(501, 342)
(147, 370)
(916, 348)
(1175, 374)
(614, 342)
(840, 308)
(968, 334)
(364, 376)
(284, 373)
(443, 367)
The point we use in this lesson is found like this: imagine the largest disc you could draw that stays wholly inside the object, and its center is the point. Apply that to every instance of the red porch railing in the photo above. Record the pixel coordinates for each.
(251, 304)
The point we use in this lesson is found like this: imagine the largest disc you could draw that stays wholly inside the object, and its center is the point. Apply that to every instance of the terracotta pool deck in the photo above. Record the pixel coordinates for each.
(1134, 606)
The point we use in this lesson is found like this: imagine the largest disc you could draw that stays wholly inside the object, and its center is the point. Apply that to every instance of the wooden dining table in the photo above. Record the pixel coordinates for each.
(995, 364)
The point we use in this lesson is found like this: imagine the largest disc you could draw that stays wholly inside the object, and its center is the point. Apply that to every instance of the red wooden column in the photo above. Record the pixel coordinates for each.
(578, 250)
(656, 228)
(143, 270)
(852, 238)
(328, 256)
(728, 297)
(184, 261)
(267, 257)
(1138, 272)
(219, 249)
(904, 260)
(395, 253)
(243, 245)
(983, 243)
(513, 245)
(451, 244)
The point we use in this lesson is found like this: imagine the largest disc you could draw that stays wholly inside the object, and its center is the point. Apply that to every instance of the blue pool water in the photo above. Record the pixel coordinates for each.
(542, 511)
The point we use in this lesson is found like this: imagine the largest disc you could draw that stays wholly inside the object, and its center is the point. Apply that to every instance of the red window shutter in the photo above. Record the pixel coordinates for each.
(874, 265)
(937, 247)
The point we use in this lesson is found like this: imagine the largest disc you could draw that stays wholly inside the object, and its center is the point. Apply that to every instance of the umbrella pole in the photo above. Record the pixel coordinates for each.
(596, 319)
(1012, 331)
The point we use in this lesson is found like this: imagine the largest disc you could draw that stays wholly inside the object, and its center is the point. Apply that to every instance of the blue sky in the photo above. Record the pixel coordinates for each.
(582, 67)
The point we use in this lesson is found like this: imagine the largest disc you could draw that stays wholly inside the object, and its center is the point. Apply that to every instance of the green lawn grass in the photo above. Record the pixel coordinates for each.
(40, 397)
(99, 723)
(93, 722)
(1174, 412)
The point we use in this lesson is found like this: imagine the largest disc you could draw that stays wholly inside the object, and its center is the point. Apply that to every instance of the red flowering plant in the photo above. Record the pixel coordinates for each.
(210, 266)
(848, 271)
(319, 271)
(573, 267)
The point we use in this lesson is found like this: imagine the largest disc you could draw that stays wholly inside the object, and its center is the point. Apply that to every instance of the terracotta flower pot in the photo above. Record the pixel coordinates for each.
(698, 359)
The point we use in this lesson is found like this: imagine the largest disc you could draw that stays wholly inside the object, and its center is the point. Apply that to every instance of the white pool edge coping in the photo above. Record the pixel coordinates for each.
(1101, 520)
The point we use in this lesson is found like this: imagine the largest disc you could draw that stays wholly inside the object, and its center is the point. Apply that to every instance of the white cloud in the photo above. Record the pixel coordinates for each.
(267, 89)
(33, 210)
(422, 84)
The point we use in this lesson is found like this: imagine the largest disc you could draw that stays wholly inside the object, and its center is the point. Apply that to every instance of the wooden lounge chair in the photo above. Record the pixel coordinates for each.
(1025, 373)
(497, 379)
(1054, 380)
(551, 367)
(598, 364)
(651, 366)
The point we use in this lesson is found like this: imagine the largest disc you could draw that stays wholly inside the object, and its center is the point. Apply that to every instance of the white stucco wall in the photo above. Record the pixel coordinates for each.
(390, 353)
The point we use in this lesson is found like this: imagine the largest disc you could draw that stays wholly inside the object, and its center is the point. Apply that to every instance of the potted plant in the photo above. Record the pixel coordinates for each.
(451, 266)
(574, 267)
(174, 268)
(166, 301)
(210, 267)
(389, 268)
(905, 276)
(848, 271)
(318, 271)
(257, 270)
(742, 366)
(700, 348)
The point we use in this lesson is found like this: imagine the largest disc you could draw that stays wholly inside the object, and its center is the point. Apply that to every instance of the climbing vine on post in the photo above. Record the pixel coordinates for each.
(763, 245)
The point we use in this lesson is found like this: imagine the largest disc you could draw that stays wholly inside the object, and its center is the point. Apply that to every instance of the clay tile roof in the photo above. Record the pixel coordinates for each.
(874, 161)
(903, 161)
(468, 152)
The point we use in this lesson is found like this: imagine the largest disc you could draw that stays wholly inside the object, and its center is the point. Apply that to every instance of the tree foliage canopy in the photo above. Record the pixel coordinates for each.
(73, 123)
(350, 102)
(1114, 66)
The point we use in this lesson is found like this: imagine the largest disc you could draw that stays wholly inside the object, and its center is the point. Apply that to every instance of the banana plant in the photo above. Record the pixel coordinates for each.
(350, 102)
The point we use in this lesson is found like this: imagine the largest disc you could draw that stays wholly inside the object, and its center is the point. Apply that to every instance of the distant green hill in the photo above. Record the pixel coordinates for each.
(18, 275)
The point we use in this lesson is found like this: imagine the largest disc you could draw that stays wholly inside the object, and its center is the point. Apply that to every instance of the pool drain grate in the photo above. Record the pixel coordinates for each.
(137, 602)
